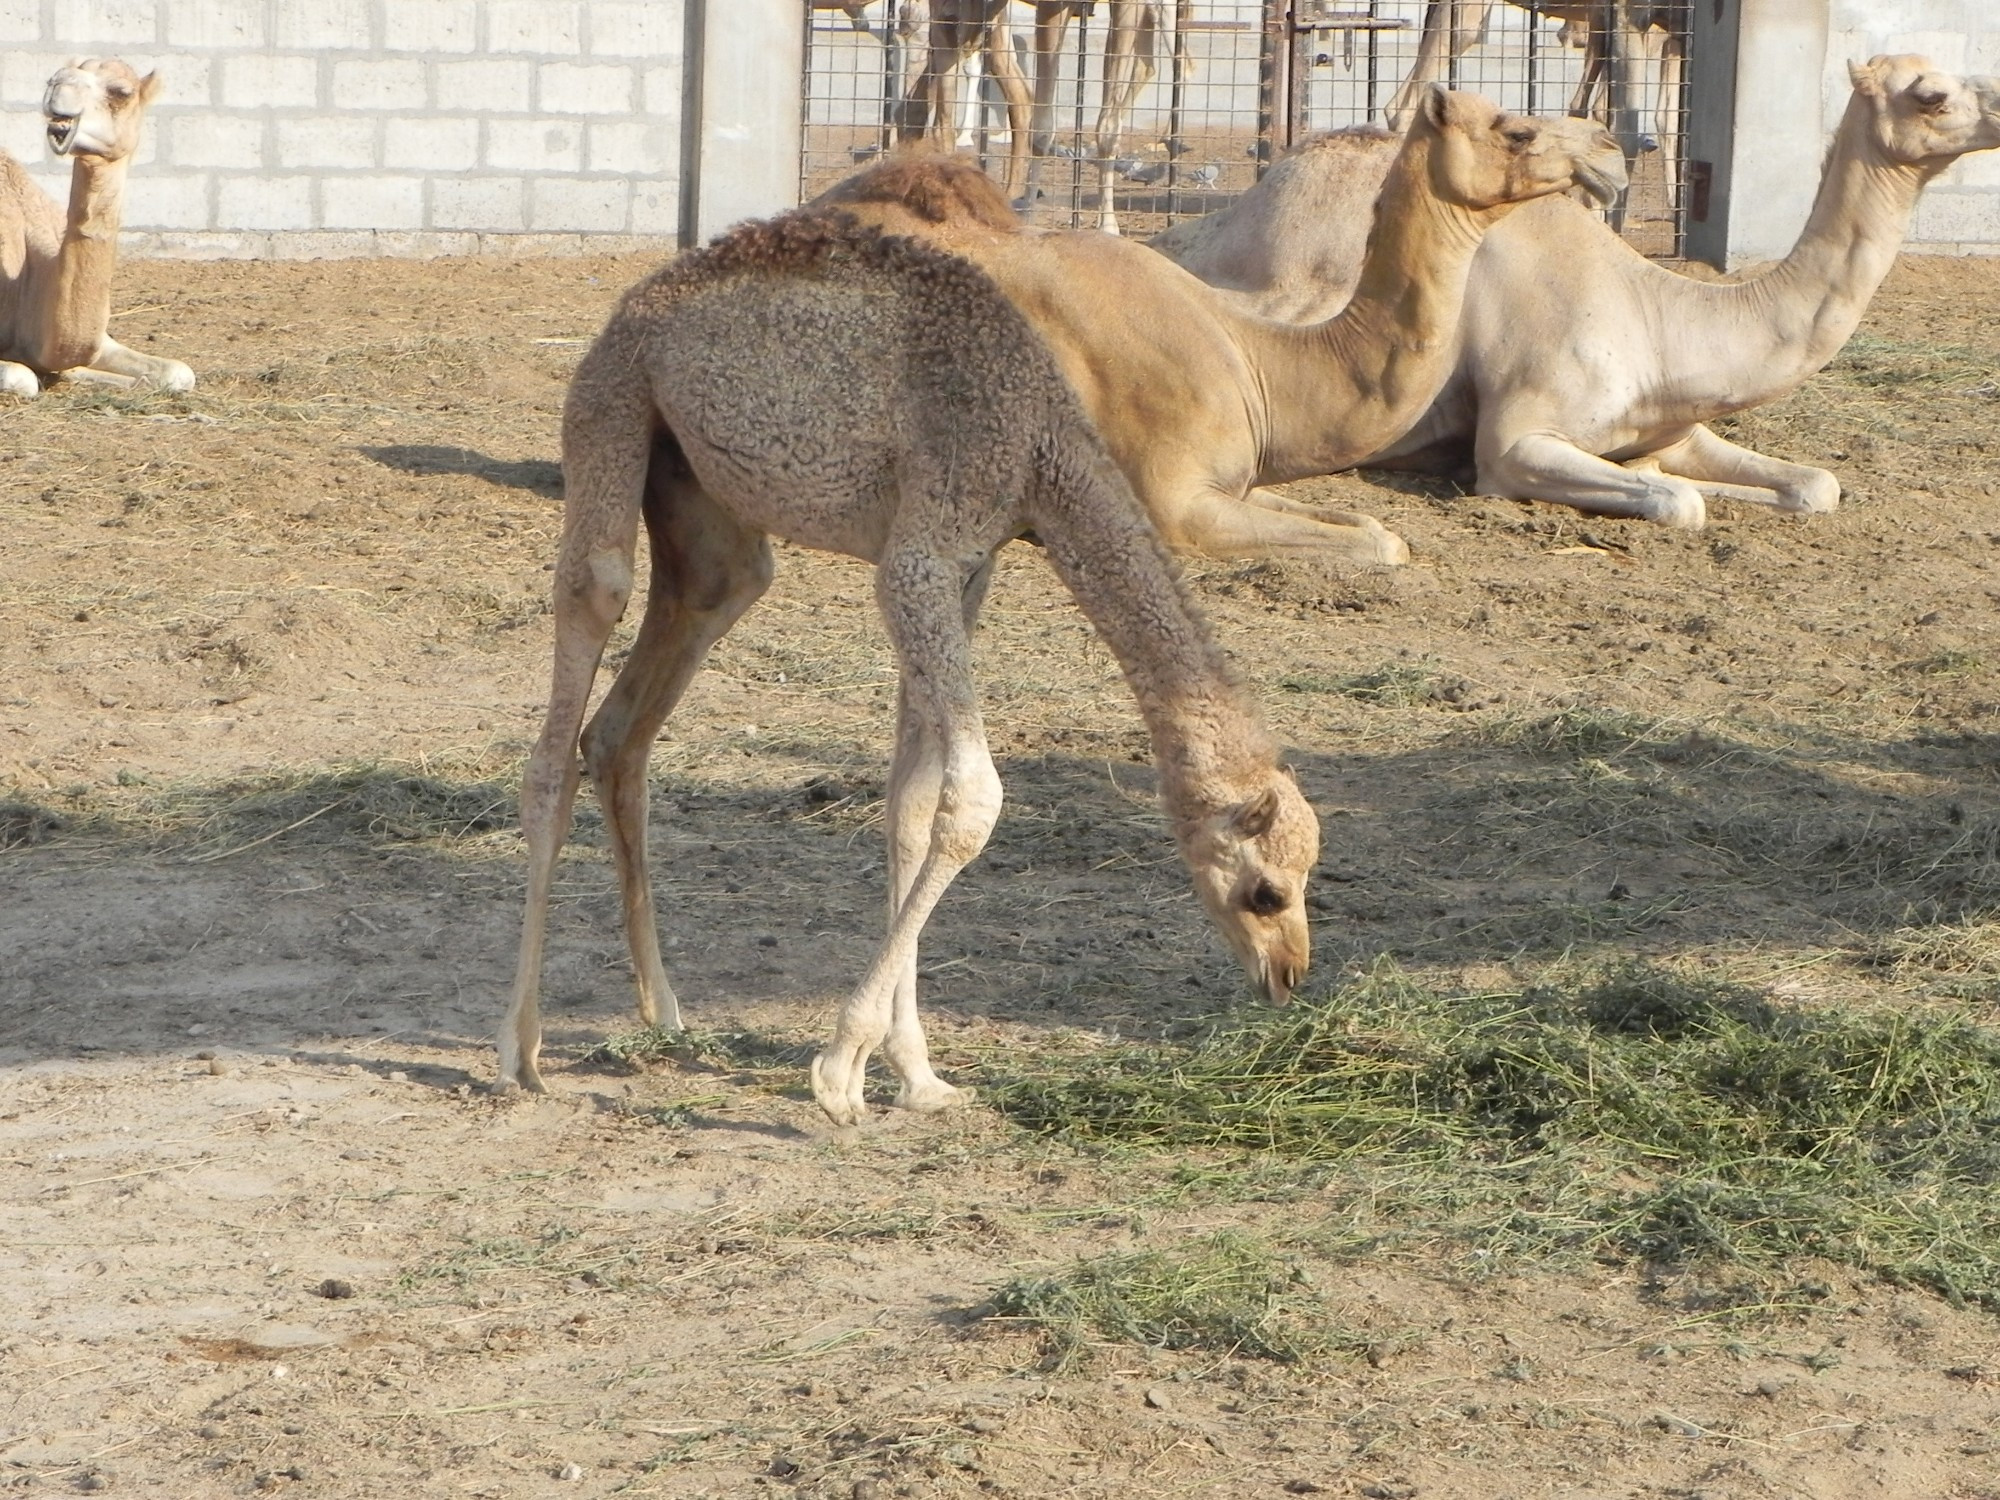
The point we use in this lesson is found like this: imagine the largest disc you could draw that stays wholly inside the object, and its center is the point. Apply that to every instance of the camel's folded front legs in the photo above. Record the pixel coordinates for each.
(941, 743)
(117, 365)
(1266, 524)
(1542, 466)
(1721, 468)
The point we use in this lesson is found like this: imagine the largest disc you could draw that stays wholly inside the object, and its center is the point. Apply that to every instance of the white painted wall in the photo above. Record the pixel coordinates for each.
(1960, 212)
(300, 128)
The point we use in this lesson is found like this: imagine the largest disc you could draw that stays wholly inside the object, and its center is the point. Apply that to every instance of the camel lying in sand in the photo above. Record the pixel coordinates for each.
(1585, 372)
(1202, 404)
(55, 276)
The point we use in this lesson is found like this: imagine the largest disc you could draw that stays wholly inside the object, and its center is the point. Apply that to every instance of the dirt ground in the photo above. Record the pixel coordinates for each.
(270, 657)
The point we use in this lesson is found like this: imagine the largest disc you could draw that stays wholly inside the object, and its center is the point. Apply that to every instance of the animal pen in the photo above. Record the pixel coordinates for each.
(1203, 95)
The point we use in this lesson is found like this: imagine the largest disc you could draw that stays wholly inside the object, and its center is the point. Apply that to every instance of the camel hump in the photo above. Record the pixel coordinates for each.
(937, 189)
(1353, 137)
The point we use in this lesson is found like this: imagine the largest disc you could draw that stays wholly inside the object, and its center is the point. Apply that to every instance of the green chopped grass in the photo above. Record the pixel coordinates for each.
(1226, 1294)
(1641, 1113)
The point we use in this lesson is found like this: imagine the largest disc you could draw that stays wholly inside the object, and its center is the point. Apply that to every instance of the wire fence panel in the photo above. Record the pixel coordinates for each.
(1137, 113)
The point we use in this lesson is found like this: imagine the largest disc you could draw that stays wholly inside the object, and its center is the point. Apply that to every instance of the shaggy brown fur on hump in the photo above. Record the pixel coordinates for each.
(937, 189)
(802, 241)
(1334, 140)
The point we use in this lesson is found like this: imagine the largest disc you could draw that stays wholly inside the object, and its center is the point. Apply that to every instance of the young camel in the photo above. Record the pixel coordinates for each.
(55, 276)
(1204, 405)
(870, 396)
(1585, 373)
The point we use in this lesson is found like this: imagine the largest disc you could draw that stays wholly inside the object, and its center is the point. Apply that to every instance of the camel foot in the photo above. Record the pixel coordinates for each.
(1816, 497)
(19, 380)
(530, 1082)
(933, 1095)
(836, 1086)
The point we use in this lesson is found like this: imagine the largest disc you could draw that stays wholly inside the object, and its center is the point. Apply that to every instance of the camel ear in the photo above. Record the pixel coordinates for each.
(1865, 78)
(1437, 104)
(150, 86)
(1254, 818)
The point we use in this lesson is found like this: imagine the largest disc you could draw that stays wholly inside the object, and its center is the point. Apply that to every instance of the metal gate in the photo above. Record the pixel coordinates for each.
(1205, 93)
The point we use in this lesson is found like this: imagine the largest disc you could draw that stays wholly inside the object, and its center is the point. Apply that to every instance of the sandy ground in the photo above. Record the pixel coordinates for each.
(270, 657)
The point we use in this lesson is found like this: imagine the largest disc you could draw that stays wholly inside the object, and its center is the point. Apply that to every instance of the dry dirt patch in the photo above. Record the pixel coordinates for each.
(272, 656)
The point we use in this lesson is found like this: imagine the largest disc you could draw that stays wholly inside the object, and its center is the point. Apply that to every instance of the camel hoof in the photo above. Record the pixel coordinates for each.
(839, 1098)
(508, 1088)
(1688, 512)
(933, 1097)
(1820, 495)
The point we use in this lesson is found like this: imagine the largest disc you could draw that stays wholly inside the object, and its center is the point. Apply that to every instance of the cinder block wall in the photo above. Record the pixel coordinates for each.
(303, 128)
(1960, 211)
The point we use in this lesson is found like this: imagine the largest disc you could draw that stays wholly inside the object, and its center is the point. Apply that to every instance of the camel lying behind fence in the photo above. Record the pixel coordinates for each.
(871, 396)
(1585, 373)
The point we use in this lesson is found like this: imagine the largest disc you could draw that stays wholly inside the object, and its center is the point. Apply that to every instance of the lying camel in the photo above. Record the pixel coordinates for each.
(1585, 372)
(55, 276)
(871, 396)
(1203, 404)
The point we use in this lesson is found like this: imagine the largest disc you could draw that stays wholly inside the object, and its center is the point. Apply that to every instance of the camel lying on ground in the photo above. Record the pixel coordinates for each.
(1203, 404)
(55, 276)
(871, 396)
(1585, 372)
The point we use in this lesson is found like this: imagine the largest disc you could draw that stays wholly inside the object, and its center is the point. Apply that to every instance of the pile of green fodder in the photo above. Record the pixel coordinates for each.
(1640, 1112)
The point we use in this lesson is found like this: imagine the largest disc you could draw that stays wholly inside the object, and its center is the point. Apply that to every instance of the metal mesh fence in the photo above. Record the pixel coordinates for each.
(1142, 112)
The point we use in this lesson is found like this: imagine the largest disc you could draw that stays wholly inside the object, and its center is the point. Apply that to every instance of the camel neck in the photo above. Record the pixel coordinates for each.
(1786, 324)
(1209, 744)
(73, 318)
(1339, 390)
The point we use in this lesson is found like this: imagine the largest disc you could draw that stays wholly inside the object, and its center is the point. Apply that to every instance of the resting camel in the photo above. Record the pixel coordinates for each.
(871, 396)
(1203, 404)
(55, 274)
(1585, 372)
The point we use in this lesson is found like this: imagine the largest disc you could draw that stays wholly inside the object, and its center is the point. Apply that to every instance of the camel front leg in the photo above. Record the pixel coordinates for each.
(1542, 466)
(922, 599)
(1265, 524)
(1131, 39)
(115, 364)
(1721, 468)
(707, 570)
(19, 380)
(916, 783)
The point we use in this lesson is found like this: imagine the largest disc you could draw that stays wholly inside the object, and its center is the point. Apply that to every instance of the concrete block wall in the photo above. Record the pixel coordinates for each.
(1960, 211)
(314, 128)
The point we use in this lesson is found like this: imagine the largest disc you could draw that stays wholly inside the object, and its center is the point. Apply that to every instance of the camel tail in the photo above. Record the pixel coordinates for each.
(609, 423)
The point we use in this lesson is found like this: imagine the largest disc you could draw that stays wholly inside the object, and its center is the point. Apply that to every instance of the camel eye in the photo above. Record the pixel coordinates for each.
(1265, 900)
(1520, 136)
(118, 91)
(1929, 100)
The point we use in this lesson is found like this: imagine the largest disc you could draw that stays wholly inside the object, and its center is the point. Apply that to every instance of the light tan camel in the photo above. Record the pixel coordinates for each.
(1203, 404)
(871, 396)
(1585, 372)
(55, 276)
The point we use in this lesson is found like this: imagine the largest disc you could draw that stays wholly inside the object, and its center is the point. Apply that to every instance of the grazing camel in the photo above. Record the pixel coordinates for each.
(1585, 372)
(55, 272)
(1203, 404)
(872, 396)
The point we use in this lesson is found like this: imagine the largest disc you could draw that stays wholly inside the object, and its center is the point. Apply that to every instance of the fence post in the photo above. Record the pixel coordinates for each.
(746, 61)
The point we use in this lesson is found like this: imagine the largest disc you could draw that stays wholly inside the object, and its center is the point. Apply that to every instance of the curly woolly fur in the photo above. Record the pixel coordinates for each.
(870, 394)
(936, 189)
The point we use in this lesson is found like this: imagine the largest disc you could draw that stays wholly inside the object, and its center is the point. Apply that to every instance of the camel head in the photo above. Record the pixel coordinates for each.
(93, 107)
(1919, 116)
(1484, 158)
(1250, 863)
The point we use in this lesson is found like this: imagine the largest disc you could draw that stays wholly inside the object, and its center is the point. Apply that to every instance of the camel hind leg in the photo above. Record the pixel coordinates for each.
(708, 569)
(605, 449)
